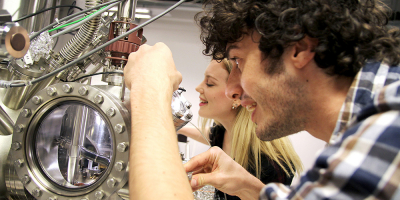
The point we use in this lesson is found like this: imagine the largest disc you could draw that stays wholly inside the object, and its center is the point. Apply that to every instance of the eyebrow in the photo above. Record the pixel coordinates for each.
(209, 76)
(228, 51)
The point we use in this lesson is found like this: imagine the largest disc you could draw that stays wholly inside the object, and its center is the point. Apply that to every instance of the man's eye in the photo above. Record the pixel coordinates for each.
(235, 63)
(209, 85)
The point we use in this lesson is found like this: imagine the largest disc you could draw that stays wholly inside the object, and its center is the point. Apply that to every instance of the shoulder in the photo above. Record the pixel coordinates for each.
(368, 150)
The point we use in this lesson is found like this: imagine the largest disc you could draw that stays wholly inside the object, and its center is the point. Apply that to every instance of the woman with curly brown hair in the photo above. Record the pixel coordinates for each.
(329, 67)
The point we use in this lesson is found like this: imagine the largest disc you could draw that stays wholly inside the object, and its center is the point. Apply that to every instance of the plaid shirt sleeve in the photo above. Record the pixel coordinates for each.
(363, 164)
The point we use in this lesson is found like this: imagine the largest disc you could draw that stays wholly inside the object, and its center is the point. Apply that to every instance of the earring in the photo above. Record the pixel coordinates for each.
(235, 105)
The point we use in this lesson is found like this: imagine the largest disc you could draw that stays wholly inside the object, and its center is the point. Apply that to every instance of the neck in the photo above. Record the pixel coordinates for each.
(227, 122)
(327, 95)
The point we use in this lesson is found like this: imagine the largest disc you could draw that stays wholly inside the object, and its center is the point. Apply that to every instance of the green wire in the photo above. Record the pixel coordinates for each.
(74, 22)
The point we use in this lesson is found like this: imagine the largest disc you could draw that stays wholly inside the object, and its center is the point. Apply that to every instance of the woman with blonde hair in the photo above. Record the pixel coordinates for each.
(228, 125)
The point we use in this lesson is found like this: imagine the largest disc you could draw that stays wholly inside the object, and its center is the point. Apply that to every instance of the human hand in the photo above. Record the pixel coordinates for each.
(214, 167)
(152, 67)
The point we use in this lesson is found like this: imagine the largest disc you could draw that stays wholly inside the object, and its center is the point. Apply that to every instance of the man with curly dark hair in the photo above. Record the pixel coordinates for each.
(329, 67)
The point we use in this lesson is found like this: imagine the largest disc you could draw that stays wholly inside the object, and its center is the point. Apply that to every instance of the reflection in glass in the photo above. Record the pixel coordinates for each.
(73, 145)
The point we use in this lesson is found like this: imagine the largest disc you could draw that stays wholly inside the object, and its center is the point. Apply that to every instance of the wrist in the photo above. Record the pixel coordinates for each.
(252, 188)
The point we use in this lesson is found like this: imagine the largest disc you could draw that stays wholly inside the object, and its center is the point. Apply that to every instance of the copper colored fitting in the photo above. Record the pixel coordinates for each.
(123, 47)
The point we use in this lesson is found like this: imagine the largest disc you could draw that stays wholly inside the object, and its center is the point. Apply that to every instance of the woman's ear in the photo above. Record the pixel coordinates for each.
(303, 51)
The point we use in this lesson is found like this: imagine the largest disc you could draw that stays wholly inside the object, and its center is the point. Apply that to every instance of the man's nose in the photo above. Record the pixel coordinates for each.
(233, 88)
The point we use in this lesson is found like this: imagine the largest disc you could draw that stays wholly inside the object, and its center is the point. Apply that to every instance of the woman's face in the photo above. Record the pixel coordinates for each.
(213, 102)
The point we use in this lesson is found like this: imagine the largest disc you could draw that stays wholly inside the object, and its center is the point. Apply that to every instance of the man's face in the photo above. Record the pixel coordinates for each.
(278, 101)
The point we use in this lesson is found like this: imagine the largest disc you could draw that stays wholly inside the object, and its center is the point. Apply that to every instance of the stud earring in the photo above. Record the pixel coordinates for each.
(235, 105)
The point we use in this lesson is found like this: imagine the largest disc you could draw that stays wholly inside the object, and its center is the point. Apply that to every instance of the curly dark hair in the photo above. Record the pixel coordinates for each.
(349, 32)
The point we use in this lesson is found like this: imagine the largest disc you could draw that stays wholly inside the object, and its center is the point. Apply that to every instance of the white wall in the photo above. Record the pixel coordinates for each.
(182, 36)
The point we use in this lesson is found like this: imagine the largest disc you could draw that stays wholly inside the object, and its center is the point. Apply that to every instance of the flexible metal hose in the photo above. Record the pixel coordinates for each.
(84, 36)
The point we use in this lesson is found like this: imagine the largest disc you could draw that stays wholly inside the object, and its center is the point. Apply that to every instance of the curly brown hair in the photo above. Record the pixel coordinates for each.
(349, 32)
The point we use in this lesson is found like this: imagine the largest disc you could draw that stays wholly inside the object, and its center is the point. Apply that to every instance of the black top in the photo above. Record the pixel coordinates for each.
(270, 172)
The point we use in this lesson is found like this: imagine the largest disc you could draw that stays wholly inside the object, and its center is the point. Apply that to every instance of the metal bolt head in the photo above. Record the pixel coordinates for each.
(99, 195)
(119, 166)
(19, 163)
(98, 99)
(188, 105)
(19, 128)
(36, 100)
(189, 116)
(119, 128)
(16, 146)
(179, 114)
(122, 147)
(110, 112)
(26, 112)
(51, 91)
(111, 182)
(37, 192)
(67, 88)
(26, 179)
(83, 91)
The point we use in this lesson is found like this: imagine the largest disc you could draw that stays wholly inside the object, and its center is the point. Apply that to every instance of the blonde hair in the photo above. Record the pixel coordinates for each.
(247, 148)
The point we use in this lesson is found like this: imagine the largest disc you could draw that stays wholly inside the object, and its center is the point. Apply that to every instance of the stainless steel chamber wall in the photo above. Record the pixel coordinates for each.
(63, 136)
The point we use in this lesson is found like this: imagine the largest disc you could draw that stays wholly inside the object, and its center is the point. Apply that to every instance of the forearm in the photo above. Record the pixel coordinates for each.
(251, 188)
(156, 171)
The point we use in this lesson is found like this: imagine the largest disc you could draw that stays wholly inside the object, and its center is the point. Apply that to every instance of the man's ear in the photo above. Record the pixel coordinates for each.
(303, 51)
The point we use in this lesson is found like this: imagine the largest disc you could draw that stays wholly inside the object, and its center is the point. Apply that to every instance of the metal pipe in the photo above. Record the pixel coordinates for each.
(37, 22)
(84, 36)
(126, 10)
(6, 124)
(78, 138)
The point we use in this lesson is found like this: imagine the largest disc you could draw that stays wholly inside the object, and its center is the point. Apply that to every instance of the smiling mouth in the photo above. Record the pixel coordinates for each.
(251, 107)
(202, 101)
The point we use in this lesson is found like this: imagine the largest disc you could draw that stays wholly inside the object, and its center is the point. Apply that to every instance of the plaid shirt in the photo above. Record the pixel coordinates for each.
(362, 160)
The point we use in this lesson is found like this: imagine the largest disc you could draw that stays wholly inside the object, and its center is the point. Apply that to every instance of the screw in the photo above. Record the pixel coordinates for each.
(188, 105)
(37, 192)
(189, 116)
(122, 147)
(51, 91)
(119, 166)
(111, 182)
(99, 194)
(83, 91)
(19, 162)
(98, 99)
(26, 179)
(110, 112)
(36, 100)
(16, 146)
(67, 88)
(26, 112)
(19, 128)
(179, 114)
(119, 128)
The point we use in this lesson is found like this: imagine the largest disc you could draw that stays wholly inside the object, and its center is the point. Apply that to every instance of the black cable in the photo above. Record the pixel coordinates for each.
(71, 9)
(183, 89)
(44, 10)
(98, 73)
(69, 17)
